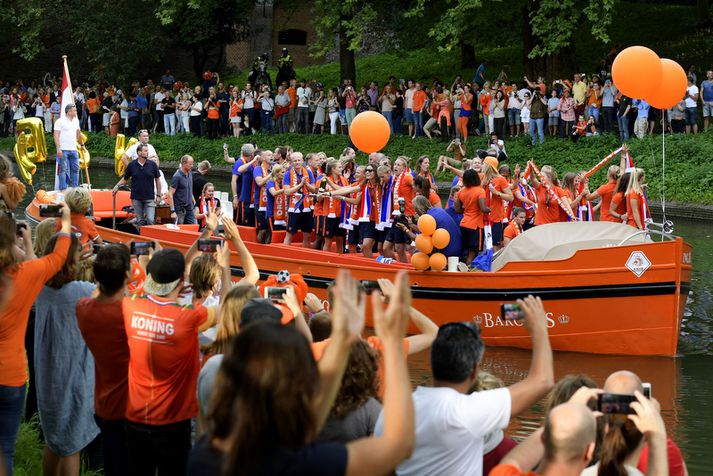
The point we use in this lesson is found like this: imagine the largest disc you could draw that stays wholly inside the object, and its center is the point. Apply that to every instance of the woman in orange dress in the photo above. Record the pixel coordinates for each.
(637, 208)
(548, 209)
(617, 206)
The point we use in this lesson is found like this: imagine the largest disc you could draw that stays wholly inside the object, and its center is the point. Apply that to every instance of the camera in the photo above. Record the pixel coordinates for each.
(615, 403)
(274, 293)
(208, 245)
(50, 210)
(402, 205)
(19, 227)
(647, 389)
(370, 286)
(139, 248)
(512, 312)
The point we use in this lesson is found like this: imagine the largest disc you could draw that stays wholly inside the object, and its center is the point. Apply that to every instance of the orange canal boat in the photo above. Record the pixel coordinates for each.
(608, 289)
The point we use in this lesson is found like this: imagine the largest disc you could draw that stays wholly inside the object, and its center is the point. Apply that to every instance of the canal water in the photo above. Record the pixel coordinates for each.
(683, 386)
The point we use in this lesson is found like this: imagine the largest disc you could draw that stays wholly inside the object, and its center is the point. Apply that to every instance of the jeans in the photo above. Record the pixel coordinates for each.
(623, 127)
(282, 124)
(418, 123)
(302, 120)
(169, 124)
(538, 124)
(389, 118)
(350, 114)
(68, 169)
(185, 215)
(145, 211)
(594, 111)
(267, 126)
(158, 447)
(114, 448)
(12, 401)
(608, 118)
(133, 122)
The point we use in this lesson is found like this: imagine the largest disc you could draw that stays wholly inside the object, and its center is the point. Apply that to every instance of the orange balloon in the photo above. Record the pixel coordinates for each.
(441, 238)
(369, 131)
(672, 88)
(420, 261)
(424, 244)
(427, 224)
(438, 262)
(637, 72)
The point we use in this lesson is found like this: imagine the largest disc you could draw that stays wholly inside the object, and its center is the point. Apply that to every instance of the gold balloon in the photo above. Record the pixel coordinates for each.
(119, 150)
(36, 142)
(26, 166)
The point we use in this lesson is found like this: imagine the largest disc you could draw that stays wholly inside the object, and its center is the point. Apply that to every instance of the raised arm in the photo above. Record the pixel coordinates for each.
(232, 233)
(540, 377)
(426, 326)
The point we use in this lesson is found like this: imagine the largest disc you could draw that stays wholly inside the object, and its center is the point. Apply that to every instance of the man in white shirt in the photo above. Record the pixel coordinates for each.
(130, 153)
(304, 93)
(67, 136)
(158, 98)
(450, 423)
(691, 107)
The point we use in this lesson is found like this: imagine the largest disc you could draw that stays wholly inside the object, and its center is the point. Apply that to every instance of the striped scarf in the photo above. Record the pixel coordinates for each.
(386, 203)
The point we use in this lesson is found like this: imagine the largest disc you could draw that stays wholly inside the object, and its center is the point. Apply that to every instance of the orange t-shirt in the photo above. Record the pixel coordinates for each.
(27, 282)
(419, 99)
(83, 228)
(593, 100)
(319, 205)
(292, 93)
(512, 230)
(102, 327)
(497, 209)
(484, 101)
(405, 191)
(163, 363)
(93, 105)
(619, 206)
(548, 210)
(213, 113)
(434, 198)
(641, 206)
(509, 470)
(465, 101)
(472, 214)
(606, 192)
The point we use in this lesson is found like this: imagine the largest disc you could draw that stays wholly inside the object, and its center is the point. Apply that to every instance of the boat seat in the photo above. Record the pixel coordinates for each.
(558, 241)
(103, 204)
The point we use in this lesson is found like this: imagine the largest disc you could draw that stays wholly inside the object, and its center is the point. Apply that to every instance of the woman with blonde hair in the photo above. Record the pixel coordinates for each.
(79, 200)
(548, 208)
(637, 207)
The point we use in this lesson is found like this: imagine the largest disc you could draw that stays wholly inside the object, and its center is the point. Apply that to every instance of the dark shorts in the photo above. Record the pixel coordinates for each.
(332, 229)
(273, 226)
(262, 223)
(247, 215)
(319, 222)
(382, 234)
(353, 235)
(497, 229)
(300, 222)
(367, 230)
(471, 238)
(396, 236)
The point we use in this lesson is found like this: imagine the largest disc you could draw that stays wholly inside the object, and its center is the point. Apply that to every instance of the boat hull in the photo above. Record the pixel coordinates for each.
(595, 302)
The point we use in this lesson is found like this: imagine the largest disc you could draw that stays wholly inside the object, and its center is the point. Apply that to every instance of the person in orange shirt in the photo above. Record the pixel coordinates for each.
(292, 93)
(514, 228)
(419, 100)
(637, 208)
(497, 191)
(548, 210)
(163, 366)
(470, 201)
(484, 103)
(422, 187)
(332, 207)
(403, 193)
(466, 101)
(79, 200)
(606, 193)
(27, 278)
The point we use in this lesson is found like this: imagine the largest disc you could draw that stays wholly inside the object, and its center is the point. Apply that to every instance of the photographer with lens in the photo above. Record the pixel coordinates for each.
(538, 110)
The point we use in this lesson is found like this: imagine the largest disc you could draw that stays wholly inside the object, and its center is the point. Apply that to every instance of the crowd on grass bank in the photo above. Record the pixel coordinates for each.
(584, 106)
(178, 370)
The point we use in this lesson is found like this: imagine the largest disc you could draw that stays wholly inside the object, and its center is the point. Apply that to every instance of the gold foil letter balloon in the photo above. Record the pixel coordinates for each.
(84, 155)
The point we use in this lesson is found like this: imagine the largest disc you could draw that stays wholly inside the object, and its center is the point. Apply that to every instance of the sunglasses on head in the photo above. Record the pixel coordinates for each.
(368, 170)
(143, 131)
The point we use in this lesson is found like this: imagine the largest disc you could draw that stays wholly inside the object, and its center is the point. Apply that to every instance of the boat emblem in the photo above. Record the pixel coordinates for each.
(478, 319)
(563, 319)
(638, 263)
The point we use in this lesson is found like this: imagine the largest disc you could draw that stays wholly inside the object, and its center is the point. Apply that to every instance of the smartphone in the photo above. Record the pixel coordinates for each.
(512, 312)
(647, 389)
(141, 247)
(208, 245)
(370, 286)
(274, 293)
(615, 403)
(19, 227)
(50, 210)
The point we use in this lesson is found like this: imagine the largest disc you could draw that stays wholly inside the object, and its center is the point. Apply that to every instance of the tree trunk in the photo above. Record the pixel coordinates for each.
(467, 55)
(704, 12)
(347, 62)
(528, 42)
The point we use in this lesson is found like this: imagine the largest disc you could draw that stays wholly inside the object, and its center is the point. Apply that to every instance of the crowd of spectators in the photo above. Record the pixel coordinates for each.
(587, 105)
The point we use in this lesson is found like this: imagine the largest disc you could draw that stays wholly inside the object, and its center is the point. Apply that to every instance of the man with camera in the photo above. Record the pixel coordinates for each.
(450, 423)
(538, 110)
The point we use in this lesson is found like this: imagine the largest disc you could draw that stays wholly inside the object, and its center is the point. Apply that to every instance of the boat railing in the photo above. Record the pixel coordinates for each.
(665, 230)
